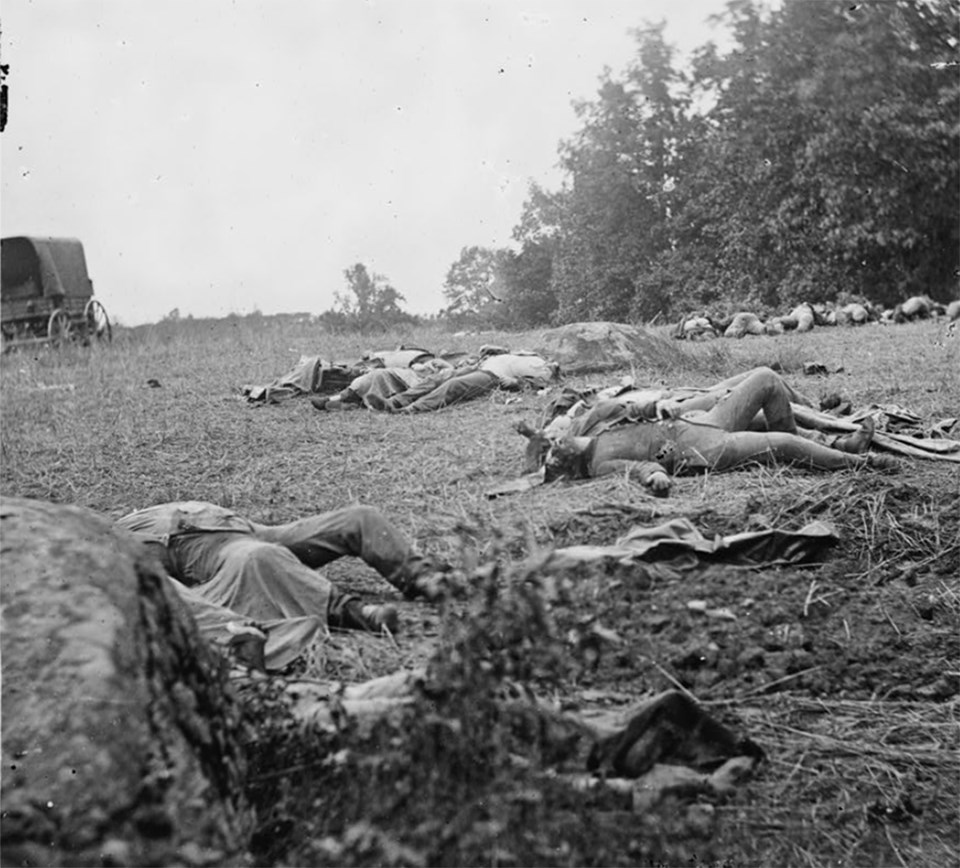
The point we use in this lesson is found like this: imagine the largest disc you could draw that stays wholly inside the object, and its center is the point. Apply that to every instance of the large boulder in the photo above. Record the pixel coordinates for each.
(591, 347)
(121, 738)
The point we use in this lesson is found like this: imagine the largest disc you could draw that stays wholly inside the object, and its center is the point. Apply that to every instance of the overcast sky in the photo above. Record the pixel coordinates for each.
(218, 157)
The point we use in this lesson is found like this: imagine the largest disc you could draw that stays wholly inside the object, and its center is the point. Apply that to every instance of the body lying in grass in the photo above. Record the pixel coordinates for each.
(669, 728)
(390, 390)
(243, 580)
(747, 418)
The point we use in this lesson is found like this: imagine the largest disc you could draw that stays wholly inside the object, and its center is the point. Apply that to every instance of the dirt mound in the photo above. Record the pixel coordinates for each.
(590, 347)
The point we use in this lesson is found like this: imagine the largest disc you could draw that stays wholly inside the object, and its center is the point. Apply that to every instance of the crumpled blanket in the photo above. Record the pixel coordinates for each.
(681, 545)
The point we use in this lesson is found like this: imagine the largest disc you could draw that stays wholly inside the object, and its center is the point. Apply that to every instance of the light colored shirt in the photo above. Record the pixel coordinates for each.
(520, 366)
(170, 519)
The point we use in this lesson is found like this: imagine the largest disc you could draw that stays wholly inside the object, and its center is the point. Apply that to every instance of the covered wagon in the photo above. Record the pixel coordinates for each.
(46, 293)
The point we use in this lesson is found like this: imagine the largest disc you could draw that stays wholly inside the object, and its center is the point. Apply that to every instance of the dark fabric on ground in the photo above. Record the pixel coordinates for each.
(683, 546)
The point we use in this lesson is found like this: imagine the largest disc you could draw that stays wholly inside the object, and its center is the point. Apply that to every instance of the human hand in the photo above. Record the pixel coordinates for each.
(668, 409)
(645, 411)
(659, 483)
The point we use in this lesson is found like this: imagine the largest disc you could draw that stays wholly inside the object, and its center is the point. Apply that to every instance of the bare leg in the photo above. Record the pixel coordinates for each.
(712, 396)
(771, 447)
(761, 391)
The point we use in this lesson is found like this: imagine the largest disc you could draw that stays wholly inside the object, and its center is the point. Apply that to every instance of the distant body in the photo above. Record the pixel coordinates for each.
(715, 430)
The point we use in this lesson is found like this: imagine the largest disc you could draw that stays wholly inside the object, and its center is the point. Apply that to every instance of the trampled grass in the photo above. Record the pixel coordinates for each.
(856, 698)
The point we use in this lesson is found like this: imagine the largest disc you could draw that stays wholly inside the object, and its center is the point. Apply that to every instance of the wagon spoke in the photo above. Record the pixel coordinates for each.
(59, 328)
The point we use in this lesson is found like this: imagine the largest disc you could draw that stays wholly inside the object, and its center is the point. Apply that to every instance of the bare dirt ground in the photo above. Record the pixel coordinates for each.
(848, 673)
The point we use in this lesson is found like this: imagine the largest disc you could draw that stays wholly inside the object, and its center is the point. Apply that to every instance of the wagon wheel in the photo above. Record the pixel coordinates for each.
(59, 328)
(97, 321)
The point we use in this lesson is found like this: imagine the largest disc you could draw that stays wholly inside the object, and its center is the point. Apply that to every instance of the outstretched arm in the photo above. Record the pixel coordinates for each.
(647, 473)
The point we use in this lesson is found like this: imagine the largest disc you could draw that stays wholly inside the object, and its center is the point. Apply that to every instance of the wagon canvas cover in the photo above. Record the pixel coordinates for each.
(37, 267)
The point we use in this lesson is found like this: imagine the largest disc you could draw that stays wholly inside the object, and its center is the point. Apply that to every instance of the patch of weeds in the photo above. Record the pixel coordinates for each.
(466, 774)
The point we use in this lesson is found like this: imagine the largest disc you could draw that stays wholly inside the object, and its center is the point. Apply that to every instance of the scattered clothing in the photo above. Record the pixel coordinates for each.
(682, 546)
(310, 375)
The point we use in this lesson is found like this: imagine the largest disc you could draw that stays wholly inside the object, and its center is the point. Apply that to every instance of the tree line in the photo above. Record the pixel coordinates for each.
(815, 158)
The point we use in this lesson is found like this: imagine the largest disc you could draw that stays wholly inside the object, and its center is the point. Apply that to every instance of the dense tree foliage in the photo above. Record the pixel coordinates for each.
(817, 156)
(474, 288)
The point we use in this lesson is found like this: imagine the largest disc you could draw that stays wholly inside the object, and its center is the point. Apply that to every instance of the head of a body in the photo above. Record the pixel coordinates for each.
(541, 440)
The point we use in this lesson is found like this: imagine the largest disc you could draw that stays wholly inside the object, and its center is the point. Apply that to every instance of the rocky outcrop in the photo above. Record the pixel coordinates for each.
(121, 737)
(591, 347)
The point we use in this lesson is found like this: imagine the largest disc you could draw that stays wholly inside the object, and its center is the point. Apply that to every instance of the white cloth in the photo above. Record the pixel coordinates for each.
(520, 366)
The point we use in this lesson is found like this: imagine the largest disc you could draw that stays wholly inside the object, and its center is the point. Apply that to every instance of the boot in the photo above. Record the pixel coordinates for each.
(354, 615)
(246, 645)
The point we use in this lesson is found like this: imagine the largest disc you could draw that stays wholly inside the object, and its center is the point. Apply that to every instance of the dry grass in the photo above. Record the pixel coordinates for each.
(856, 702)
(852, 779)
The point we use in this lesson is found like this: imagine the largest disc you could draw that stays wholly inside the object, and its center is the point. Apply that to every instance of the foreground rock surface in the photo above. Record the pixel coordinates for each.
(120, 738)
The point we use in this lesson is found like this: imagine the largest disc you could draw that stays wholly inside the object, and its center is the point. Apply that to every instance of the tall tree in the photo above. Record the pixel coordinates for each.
(818, 155)
(612, 219)
(880, 162)
(474, 287)
(528, 273)
(369, 303)
(829, 158)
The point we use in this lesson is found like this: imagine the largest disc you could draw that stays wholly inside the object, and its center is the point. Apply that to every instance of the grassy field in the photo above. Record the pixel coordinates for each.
(848, 676)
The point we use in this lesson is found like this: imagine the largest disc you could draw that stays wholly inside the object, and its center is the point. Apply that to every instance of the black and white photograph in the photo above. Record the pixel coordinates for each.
(480, 433)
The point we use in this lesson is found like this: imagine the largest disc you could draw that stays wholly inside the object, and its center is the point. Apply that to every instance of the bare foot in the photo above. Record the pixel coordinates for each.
(880, 461)
(858, 442)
